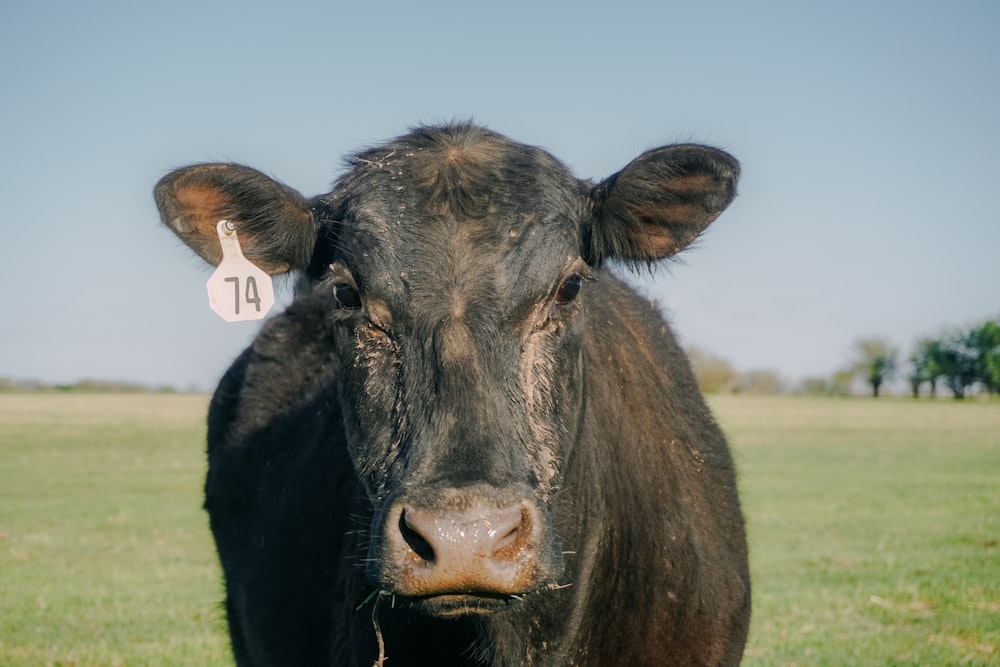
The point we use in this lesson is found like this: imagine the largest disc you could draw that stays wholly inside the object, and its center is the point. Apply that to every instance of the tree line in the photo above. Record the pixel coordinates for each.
(89, 385)
(715, 375)
(961, 360)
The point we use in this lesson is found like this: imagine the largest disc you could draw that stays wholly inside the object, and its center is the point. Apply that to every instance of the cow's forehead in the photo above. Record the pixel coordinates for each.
(466, 215)
(464, 173)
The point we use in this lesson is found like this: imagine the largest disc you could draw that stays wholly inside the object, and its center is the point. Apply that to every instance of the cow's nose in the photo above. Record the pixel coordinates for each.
(447, 537)
(478, 549)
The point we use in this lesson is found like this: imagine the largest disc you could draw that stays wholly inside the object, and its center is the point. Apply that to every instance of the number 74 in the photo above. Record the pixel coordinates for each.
(250, 296)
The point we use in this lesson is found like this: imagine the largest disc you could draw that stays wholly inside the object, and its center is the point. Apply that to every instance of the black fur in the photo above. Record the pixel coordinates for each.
(454, 377)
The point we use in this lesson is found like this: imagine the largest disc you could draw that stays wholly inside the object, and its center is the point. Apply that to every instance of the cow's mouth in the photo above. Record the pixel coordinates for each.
(451, 605)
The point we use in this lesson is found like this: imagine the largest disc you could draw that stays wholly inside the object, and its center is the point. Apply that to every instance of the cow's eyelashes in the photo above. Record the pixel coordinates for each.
(347, 296)
(568, 290)
(345, 288)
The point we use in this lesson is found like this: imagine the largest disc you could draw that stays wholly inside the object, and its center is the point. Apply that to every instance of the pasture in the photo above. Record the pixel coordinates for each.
(874, 531)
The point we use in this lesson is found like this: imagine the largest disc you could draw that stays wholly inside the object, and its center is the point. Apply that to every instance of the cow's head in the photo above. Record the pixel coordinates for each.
(459, 264)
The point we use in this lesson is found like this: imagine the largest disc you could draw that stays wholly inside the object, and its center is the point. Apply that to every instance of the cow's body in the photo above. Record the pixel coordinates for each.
(467, 443)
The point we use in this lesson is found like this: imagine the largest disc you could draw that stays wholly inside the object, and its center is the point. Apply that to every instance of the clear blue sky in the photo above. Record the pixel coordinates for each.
(869, 134)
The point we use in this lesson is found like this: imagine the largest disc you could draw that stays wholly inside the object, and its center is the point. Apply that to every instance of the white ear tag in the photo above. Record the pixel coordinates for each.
(238, 290)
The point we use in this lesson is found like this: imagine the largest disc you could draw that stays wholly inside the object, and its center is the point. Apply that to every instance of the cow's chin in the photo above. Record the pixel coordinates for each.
(453, 605)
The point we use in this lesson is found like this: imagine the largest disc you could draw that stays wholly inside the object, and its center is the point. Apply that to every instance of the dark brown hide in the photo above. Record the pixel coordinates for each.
(467, 442)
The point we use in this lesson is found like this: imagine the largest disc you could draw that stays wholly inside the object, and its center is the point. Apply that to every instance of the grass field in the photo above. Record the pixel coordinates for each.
(105, 555)
(874, 529)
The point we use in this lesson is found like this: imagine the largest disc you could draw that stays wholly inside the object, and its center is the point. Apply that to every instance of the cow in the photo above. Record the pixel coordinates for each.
(466, 441)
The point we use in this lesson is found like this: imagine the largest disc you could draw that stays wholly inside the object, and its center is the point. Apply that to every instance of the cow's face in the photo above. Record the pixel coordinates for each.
(459, 265)
(459, 329)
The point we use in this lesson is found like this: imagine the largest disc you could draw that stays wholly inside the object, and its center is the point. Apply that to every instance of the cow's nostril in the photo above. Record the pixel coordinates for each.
(414, 540)
(517, 534)
(507, 540)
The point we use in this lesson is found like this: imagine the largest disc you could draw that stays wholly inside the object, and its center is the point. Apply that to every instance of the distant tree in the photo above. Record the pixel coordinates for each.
(959, 364)
(875, 359)
(983, 341)
(993, 368)
(972, 358)
(838, 384)
(963, 358)
(714, 374)
(760, 381)
(842, 381)
(106, 386)
(817, 386)
(915, 382)
(927, 360)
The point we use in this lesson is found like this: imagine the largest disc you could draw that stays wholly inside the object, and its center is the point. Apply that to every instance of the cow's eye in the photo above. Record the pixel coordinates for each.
(347, 296)
(568, 290)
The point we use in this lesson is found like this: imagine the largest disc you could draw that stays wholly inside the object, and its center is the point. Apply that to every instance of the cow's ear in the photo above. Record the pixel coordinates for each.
(659, 203)
(274, 223)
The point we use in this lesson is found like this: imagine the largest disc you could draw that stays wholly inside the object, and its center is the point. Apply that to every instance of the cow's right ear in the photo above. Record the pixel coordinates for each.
(658, 204)
(275, 224)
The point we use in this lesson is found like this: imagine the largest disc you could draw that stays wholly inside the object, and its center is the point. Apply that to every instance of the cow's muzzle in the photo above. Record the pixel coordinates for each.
(464, 552)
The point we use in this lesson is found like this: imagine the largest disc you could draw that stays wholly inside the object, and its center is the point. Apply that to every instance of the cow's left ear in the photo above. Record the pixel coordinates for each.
(275, 224)
(657, 205)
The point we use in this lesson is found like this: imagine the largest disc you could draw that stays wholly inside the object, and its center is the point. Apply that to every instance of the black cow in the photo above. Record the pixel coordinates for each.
(466, 442)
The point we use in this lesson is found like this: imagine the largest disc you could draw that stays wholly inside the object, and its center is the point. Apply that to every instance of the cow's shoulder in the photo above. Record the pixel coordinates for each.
(275, 415)
(290, 366)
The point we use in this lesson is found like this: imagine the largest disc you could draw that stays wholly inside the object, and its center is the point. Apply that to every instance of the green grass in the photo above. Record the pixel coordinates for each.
(105, 554)
(874, 529)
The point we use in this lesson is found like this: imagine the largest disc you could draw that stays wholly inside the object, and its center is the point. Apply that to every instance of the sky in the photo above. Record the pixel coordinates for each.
(868, 132)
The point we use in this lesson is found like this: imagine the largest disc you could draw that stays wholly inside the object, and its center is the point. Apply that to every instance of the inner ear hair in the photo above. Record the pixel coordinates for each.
(659, 204)
(275, 224)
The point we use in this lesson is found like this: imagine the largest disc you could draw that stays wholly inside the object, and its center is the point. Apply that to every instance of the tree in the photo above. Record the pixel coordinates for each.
(973, 357)
(875, 359)
(842, 381)
(817, 386)
(983, 342)
(927, 362)
(714, 374)
(963, 358)
(959, 368)
(760, 381)
(993, 367)
(837, 384)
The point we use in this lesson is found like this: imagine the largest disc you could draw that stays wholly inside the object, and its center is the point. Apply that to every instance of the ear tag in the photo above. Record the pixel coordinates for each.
(238, 290)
